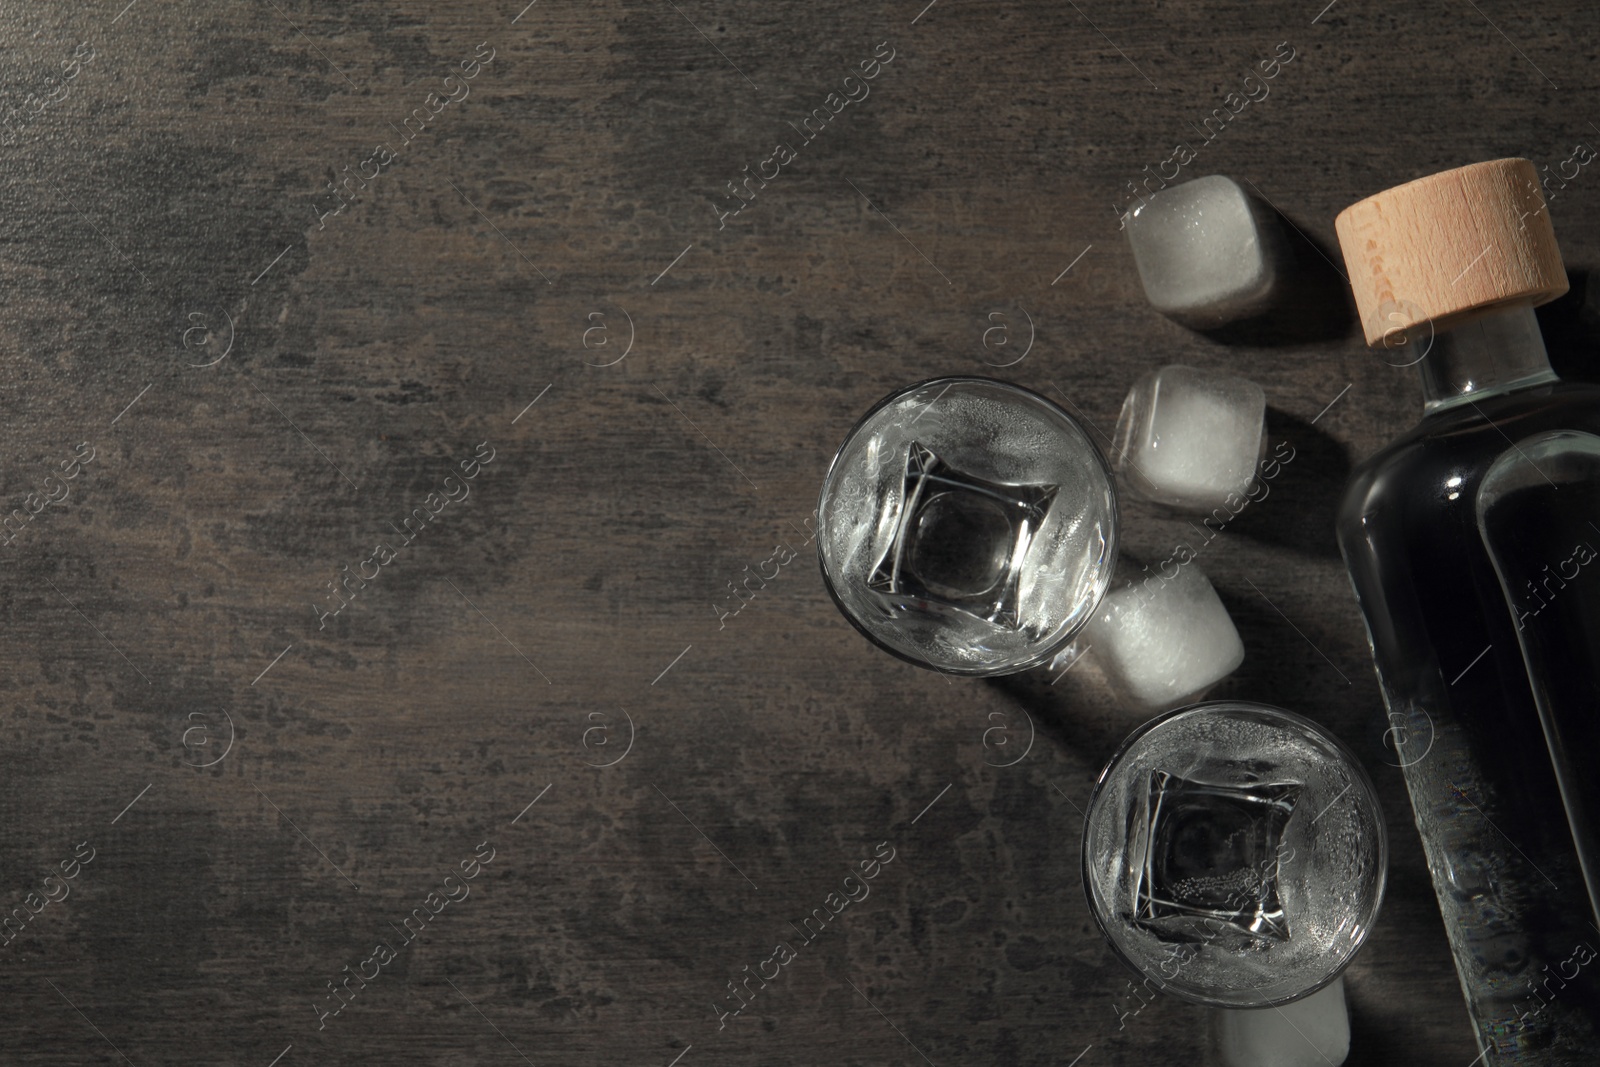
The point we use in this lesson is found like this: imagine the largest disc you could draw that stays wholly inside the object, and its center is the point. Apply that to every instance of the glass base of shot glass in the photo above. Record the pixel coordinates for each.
(1211, 858)
(960, 539)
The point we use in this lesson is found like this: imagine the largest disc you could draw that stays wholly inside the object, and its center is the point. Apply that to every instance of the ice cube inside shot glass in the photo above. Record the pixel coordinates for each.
(1234, 854)
(967, 525)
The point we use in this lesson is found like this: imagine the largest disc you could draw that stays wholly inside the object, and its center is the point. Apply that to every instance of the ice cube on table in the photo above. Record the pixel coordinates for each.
(1312, 1032)
(1207, 253)
(1163, 641)
(1191, 439)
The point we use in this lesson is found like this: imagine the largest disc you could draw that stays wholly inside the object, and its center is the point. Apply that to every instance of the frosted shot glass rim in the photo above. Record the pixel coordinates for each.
(1361, 780)
(1045, 654)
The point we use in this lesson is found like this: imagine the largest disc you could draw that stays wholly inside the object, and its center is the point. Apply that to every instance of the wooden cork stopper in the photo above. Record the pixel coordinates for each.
(1446, 247)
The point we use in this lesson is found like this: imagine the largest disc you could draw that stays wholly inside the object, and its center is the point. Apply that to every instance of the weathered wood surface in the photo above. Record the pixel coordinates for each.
(164, 210)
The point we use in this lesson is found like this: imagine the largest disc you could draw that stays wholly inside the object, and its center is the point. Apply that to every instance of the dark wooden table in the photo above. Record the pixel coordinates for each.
(534, 268)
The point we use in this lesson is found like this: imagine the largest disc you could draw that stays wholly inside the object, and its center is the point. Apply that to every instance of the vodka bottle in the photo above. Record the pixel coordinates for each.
(1446, 271)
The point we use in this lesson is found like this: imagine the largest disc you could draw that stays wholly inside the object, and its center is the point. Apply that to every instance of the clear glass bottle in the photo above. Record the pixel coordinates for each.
(1539, 516)
(1483, 789)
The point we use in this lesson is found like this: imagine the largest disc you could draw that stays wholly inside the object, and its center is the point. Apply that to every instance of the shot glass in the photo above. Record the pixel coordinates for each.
(1234, 854)
(967, 525)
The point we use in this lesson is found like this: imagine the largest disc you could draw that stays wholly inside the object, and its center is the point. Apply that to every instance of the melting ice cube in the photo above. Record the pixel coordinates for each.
(1207, 254)
(1312, 1032)
(1191, 439)
(1164, 641)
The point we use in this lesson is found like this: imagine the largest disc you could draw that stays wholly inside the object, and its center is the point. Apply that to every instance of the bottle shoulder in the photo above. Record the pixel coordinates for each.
(1443, 457)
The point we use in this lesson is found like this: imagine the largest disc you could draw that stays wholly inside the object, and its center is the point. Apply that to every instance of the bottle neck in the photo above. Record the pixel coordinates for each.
(1495, 353)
